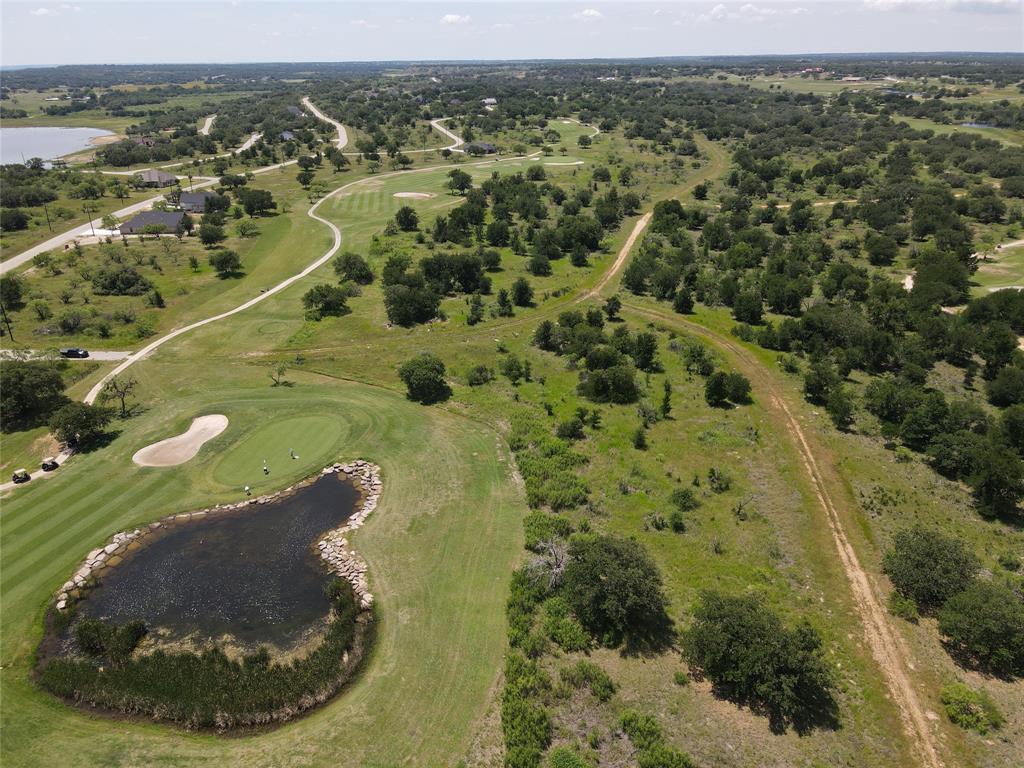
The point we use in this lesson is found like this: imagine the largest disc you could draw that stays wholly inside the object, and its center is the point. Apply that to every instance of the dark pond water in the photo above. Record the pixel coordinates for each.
(250, 573)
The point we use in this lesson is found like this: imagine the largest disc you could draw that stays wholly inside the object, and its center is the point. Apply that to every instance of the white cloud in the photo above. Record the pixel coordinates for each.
(454, 18)
(44, 12)
(966, 6)
(749, 12)
(364, 24)
(68, 7)
(588, 15)
(501, 25)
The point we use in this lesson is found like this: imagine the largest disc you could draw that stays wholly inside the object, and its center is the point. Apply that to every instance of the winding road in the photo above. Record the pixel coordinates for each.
(205, 130)
(342, 139)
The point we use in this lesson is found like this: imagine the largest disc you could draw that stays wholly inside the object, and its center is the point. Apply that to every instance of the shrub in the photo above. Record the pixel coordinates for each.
(719, 480)
(478, 375)
(652, 752)
(615, 590)
(681, 678)
(971, 710)
(746, 651)
(684, 499)
(120, 281)
(928, 567)
(587, 673)
(984, 625)
(525, 722)
(424, 379)
(570, 429)
(565, 757)
(524, 596)
(522, 292)
(561, 626)
(225, 262)
(542, 526)
(902, 607)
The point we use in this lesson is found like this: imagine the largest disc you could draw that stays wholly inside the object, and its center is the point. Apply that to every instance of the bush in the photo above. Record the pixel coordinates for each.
(525, 723)
(570, 429)
(225, 262)
(615, 590)
(120, 281)
(424, 378)
(652, 752)
(478, 375)
(522, 292)
(564, 757)
(746, 651)
(902, 607)
(684, 499)
(984, 625)
(542, 526)
(971, 710)
(927, 566)
(561, 626)
(587, 673)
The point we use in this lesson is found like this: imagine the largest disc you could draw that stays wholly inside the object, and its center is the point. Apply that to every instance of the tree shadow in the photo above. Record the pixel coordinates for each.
(818, 709)
(99, 441)
(655, 637)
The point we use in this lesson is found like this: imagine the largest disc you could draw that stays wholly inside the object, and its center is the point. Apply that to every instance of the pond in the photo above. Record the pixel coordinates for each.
(18, 145)
(253, 574)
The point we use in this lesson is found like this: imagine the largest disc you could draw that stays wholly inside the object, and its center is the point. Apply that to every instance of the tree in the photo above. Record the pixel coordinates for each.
(424, 379)
(984, 625)
(522, 292)
(615, 590)
(743, 647)
(997, 480)
(305, 178)
(882, 249)
(683, 302)
(277, 374)
(927, 566)
(11, 291)
(584, 142)
(30, 391)
(211, 234)
(738, 388)
(407, 219)
(612, 306)
(353, 267)
(666, 399)
(325, 300)
(78, 424)
(225, 262)
(840, 408)
(716, 389)
(459, 181)
(256, 201)
(120, 390)
(747, 308)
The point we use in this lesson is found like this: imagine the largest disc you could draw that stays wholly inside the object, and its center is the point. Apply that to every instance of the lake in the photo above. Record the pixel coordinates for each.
(20, 144)
(254, 574)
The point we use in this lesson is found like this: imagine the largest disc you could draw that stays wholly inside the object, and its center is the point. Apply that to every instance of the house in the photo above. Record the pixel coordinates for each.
(481, 148)
(194, 202)
(154, 178)
(490, 102)
(296, 112)
(150, 221)
(144, 141)
(287, 135)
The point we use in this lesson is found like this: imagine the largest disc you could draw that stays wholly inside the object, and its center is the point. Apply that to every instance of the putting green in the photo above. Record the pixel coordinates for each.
(315, 439)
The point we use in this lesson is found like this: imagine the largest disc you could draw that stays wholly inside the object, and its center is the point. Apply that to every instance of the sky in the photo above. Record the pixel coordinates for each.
(156, 31)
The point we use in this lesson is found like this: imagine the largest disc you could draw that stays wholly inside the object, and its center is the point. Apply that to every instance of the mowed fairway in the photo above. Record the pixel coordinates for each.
(439, 546)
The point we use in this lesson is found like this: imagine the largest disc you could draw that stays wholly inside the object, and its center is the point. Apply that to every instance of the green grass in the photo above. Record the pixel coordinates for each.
(1003, 269)
(440, 547)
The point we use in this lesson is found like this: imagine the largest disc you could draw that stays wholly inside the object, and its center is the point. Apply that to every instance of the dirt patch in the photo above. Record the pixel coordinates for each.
(97, 141)
(180, 448)
(415, 195)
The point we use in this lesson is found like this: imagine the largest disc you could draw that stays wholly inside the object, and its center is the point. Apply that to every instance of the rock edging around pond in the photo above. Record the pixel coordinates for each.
(333, 546)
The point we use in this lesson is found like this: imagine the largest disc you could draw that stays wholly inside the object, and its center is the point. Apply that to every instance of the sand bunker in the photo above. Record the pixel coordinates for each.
(415, 195)
(577, 162)
(180, 448)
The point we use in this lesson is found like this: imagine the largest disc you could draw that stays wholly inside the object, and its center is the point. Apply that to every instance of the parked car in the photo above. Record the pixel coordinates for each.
(74, 352)
(49, 464)
(20, 476)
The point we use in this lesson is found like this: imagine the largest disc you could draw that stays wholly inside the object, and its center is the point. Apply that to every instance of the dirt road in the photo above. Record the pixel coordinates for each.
(205, 130)
(886, 646)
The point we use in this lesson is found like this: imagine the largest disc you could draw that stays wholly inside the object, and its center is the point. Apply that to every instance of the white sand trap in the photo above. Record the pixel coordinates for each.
(180, 448)
(415, 195)
(578, 162)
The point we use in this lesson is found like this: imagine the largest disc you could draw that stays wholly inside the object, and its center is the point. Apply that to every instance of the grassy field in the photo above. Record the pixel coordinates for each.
(442, 544)
(440, 547)
(65, 213)
(1003, 269)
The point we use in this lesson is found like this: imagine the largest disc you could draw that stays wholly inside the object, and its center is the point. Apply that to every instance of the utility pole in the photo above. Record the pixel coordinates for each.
(47, 212)
(7, 321)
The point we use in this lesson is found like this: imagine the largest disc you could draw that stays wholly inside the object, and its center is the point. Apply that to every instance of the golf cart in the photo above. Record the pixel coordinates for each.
(49, 464)
(20, 476)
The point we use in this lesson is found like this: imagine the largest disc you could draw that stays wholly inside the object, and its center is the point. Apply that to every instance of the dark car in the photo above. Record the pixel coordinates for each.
(49, 464)
(74, 352)
(20, 476)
